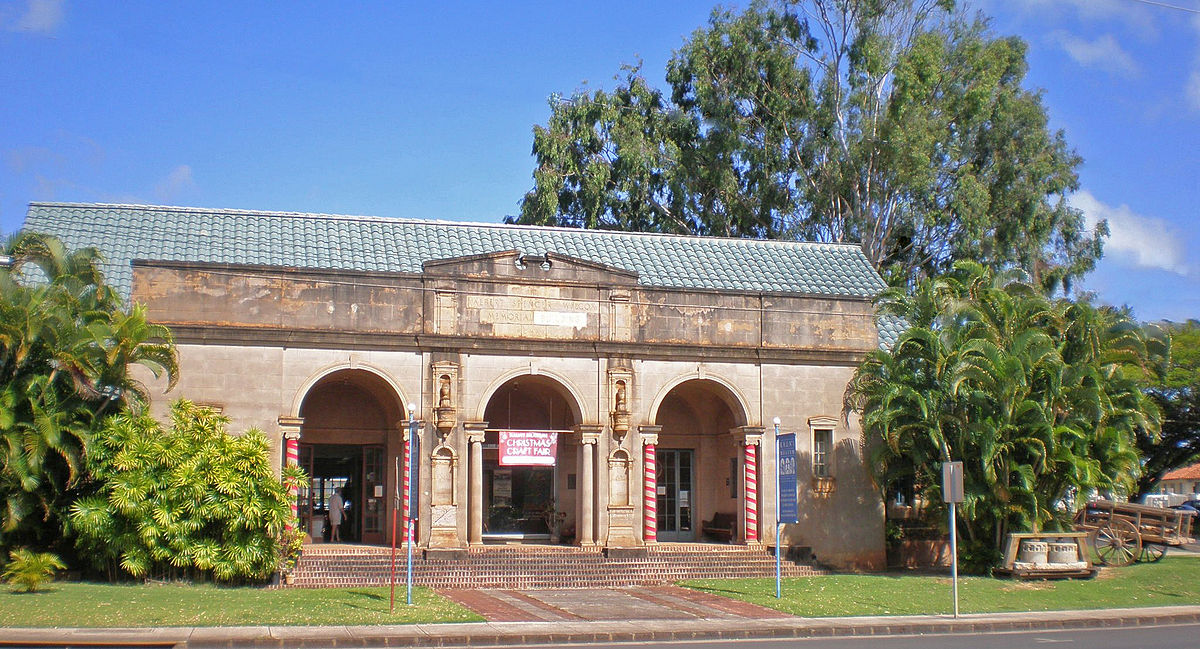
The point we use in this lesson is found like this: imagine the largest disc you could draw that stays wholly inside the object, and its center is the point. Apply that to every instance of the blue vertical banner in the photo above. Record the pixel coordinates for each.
(785, 448)
(414, 478)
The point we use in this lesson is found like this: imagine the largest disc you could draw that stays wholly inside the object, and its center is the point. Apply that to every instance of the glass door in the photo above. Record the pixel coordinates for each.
(676, 496)
(374, 494)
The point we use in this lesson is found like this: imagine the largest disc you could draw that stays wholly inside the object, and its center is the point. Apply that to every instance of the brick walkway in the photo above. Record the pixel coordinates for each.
(610, 604)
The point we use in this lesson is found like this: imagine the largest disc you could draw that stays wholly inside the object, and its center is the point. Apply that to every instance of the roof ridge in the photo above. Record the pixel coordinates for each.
(418, 221)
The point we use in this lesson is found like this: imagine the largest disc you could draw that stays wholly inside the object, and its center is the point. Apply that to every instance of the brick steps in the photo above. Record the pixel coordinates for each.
(533, 567)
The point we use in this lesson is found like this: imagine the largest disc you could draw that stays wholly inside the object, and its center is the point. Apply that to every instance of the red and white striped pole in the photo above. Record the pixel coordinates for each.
(751, 462)
(293, 459)
(650, 506)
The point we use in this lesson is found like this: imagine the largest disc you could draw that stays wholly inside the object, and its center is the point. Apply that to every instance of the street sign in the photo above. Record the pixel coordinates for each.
(789, 509)
(952, 482)
(952, 493)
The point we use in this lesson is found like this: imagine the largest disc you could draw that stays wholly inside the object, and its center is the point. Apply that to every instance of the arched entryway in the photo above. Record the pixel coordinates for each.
(698, 463)
(345, 442)
(528, 461)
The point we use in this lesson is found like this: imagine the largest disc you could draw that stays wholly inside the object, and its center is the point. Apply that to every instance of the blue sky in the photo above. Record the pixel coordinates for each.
(425, 110)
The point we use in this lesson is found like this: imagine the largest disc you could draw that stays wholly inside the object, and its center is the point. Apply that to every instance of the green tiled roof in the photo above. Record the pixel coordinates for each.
(890, 327)
(126, 232)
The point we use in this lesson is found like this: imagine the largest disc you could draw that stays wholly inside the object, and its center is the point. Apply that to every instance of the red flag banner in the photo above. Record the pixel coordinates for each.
(527, 447)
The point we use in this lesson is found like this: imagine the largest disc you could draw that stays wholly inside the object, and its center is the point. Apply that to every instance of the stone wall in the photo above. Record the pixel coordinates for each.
(256, 340)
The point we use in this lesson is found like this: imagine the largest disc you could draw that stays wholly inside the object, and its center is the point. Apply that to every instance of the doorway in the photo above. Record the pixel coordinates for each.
(676, 500)
(358, 470)
(346, 441)
(522, 495)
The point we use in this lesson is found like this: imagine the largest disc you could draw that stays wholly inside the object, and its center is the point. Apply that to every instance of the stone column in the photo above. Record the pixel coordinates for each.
(650, 482)
(588, 438)
(750, 438)
(475, 488)
(290, 427)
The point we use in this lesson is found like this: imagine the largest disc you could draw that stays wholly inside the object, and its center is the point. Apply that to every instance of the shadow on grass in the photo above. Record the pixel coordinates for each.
(711, 589)
(39, 591)
(367, 594)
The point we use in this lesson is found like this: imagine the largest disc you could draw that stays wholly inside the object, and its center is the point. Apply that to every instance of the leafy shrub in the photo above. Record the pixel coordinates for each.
(188, 501)
(27, 570)
(66, 345)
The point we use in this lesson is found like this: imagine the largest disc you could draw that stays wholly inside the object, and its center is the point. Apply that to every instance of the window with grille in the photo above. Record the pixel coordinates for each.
(822, 445)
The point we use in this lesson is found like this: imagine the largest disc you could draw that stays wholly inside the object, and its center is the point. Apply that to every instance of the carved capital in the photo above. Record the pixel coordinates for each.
(475, 430)
(748, 435)
(649, 434)
(290, 426)
(589, 433)
(406, 425)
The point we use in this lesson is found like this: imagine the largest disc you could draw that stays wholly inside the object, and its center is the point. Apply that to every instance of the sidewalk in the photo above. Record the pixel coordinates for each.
(510, 633)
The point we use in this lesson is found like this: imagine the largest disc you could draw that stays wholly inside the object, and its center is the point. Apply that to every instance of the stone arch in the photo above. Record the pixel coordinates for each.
(723, 388)
(569, 391)
(320, 375)
(347, 438)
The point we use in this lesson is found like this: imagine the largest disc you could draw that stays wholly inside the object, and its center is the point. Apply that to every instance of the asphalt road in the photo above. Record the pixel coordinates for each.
(1184, 636)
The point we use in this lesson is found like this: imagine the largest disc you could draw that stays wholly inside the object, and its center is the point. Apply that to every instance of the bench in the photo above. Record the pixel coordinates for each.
(722, 527)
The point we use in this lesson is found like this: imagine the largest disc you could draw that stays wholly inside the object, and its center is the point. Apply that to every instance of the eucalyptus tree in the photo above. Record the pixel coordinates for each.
(1040, 399)
(66, 348)
(901, 125)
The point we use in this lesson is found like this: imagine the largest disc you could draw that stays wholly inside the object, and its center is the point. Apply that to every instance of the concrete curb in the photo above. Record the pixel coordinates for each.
(481, 634)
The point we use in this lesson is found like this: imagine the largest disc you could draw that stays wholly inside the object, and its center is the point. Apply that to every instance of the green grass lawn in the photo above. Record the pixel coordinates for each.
(1173, 581)
(106, 605)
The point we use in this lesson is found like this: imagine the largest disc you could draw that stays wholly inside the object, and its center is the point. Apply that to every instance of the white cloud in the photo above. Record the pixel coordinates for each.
(176, 182)
(1128, 15)
(41, 17)
(1104, 53)
(1145, 241)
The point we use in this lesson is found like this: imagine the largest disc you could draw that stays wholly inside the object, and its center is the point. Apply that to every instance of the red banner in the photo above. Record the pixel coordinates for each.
(527, 448)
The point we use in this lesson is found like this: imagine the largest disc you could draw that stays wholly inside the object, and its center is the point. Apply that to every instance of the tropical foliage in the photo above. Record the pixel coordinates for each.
(1177, 392)
(66, 348)
(27, 571)
(901, 125)
(188, 501)
(1041, 399)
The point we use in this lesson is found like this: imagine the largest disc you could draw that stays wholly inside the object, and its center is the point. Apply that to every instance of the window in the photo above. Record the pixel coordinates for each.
(822, 444)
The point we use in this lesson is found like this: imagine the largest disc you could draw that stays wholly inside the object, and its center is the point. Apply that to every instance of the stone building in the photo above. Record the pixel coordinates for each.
(586, 387)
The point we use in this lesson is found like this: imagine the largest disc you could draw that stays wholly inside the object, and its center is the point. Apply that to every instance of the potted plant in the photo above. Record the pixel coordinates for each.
(554, 520)
(290, 546)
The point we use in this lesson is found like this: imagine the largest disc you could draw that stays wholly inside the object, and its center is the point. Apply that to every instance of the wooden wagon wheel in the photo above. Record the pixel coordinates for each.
(1118, 542)
(1153, 552)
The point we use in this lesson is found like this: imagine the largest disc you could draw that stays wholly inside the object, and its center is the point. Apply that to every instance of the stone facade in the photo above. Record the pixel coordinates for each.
(547, 343)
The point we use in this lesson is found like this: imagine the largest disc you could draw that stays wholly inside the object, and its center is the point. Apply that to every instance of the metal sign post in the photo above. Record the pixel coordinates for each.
(787, 510)
(413, 445)
(952, 493)
(395, 513)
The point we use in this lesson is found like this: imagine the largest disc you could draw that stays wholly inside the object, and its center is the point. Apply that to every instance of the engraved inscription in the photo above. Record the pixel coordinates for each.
(574, 319)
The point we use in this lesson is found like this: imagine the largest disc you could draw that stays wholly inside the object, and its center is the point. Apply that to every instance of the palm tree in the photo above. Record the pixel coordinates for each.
(1039, 398)
(66, 347)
